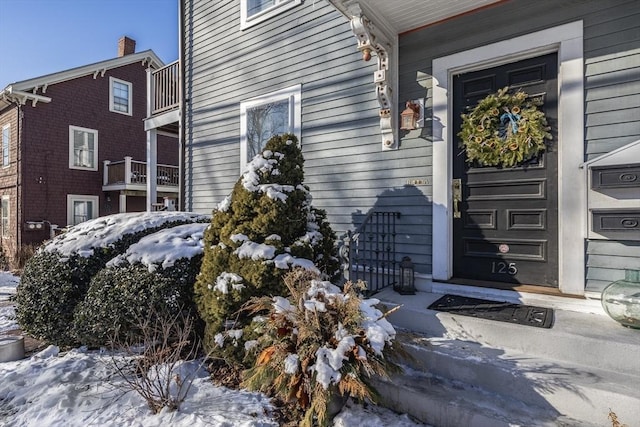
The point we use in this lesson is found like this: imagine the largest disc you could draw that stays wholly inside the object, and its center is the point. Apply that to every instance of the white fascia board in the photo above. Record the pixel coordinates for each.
(148, 55)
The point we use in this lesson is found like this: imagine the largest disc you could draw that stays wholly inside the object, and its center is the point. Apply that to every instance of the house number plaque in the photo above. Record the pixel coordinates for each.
(502, 267)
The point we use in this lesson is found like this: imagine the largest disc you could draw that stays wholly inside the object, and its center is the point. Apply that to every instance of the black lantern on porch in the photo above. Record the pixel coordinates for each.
(406, 283)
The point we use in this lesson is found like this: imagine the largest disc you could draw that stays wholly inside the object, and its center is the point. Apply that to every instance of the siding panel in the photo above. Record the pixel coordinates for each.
(345, 168)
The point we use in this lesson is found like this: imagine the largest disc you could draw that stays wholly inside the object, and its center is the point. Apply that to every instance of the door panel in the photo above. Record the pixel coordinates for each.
(507, 232)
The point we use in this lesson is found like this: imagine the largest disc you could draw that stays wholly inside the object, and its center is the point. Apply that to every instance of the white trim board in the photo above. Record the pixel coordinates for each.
(567, 40)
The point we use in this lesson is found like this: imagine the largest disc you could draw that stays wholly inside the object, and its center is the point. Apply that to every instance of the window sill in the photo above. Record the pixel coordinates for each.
(248, 22)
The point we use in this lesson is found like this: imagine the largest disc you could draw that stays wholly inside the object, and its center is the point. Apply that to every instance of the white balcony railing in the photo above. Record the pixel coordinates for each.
(165, 88)
(128, 171)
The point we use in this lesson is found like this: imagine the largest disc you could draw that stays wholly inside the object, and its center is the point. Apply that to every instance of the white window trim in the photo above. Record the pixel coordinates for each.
(111, 103)
(293, 93)
(567, 40)
(95, 150)
(4, 232)
(5, 127)
(279, 7)
(81, 198)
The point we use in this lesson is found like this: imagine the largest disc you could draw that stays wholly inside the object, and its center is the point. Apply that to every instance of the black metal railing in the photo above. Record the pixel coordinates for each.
(369, 252)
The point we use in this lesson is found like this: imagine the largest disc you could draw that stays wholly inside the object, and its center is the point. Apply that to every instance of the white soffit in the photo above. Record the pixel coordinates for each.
(405, 15)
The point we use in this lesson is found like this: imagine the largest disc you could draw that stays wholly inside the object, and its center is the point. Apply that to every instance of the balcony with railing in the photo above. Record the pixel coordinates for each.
(131, 175)
(165, 89)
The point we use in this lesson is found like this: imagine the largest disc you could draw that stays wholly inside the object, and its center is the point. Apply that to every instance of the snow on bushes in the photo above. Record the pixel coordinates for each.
(57, 277)
(319, 343)
(266, 227)
(154, 277)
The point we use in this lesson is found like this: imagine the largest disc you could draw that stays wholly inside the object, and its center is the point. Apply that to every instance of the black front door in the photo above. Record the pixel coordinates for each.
(507, 230)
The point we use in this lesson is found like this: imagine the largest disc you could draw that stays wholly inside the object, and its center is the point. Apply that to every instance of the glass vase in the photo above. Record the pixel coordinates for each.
(621, 299)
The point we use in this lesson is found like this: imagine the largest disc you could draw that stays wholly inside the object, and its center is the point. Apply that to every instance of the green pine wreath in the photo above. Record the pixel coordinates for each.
(504, 130)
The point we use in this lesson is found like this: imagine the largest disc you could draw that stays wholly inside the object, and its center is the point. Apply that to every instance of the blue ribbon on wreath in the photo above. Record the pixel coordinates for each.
(505, 119)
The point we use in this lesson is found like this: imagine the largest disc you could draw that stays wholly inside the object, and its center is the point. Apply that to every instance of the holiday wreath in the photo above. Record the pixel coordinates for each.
(504, 129)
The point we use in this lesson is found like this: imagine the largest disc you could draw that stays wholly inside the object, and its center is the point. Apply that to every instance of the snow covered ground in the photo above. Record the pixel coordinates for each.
(78, 388)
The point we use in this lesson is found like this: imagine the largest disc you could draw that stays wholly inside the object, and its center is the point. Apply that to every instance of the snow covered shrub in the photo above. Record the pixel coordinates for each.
(264, 228)
(320, 343)
(57, 277)
(153, 277)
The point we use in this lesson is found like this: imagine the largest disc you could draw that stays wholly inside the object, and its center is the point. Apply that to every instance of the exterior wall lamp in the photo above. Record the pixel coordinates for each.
(410, 116)
(406, 284)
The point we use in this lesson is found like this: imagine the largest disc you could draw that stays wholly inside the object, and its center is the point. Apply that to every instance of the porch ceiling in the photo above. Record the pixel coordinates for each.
(405, 15)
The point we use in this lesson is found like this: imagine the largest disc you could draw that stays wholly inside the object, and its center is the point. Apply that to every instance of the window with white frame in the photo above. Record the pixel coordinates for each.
(4, 216)
(254, 11)
(6, 141)
(120, 96)
(81, 208)
(83, 148)
(265, 116)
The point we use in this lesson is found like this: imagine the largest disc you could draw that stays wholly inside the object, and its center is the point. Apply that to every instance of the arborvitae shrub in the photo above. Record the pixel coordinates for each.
(57, 277)
(265, 227)
(154, 277)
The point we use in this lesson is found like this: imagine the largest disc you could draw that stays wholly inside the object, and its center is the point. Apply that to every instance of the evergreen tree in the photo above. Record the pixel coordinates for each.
(266, 227)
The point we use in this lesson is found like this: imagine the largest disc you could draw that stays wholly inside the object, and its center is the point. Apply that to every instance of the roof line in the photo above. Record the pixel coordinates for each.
(147, 56)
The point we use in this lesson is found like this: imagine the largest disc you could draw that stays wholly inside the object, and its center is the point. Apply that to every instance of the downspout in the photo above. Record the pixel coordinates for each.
(19, 198)
(182, 108)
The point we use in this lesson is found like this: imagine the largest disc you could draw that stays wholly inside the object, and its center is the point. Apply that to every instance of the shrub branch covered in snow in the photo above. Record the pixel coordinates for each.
(57, 277)
(319, 343)
(155, 275)
(266, 227)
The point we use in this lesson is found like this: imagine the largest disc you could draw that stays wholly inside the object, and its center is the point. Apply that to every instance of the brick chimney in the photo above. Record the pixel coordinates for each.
(126, 46)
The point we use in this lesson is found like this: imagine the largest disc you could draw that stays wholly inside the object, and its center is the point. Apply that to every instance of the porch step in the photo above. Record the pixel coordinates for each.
(578, 338)
(473, 372)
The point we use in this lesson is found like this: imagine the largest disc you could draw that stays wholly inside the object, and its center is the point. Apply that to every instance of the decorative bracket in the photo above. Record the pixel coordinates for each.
(372, 40)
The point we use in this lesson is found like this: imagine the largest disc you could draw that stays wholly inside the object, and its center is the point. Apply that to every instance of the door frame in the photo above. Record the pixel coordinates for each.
(567, 40)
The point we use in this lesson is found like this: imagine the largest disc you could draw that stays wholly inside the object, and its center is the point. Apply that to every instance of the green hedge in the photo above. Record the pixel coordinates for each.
(57, 277)
(153, 277)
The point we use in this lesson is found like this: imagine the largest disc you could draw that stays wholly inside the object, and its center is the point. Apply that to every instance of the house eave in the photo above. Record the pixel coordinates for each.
(147, 57)
(408, 15)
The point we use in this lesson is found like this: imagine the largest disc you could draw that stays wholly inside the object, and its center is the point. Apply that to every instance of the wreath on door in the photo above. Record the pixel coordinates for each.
(504, 129)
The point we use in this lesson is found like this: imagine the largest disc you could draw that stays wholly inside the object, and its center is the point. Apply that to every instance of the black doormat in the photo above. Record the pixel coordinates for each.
(495, 310)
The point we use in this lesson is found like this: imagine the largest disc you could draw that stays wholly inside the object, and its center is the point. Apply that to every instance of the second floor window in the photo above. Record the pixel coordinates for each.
(83, 148)
(254, 11)
(119, 96)
(6, 140)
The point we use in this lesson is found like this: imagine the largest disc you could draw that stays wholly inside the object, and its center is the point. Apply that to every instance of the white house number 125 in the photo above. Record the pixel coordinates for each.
(502, 267)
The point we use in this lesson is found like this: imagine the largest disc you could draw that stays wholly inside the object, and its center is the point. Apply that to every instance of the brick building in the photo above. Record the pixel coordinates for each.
(73, 147)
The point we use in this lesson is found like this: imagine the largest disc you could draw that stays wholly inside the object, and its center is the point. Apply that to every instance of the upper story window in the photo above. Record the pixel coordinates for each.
(83, 148)
(81, 208)
(120, 96)
(4, 215)
(6, 140)
(265, 116)
(254, 11)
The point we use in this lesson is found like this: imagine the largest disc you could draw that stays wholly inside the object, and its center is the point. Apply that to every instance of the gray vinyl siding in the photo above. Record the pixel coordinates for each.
(311, 44)
(612, 83)
(607, 260)
(348, 173)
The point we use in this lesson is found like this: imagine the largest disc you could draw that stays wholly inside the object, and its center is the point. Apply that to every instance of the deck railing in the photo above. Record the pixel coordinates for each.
(369, 252)
(165, 89)
(130, 171)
